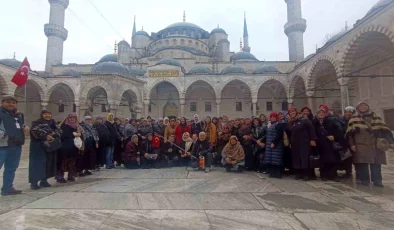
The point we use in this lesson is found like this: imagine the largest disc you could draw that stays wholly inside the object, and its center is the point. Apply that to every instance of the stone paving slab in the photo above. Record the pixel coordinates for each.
(348, 221)
(366, 204)
(164, 173)
(181, 201)
(300, 202)
(183, 185)
(8, 203)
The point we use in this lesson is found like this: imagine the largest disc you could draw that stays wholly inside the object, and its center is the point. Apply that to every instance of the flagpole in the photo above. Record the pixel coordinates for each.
(25, 112)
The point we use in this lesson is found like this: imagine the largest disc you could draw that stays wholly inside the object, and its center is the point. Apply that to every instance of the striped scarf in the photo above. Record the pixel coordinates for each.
(358, 122)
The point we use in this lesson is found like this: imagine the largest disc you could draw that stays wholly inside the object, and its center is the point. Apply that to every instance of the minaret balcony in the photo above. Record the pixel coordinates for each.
(298, 25)
(55, 30)
(63, 3)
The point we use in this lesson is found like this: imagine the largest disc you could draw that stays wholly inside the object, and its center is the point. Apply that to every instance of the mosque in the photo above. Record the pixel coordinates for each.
(184, 69)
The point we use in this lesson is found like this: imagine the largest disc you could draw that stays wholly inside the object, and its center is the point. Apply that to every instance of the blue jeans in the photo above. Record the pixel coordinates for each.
(109, 156)
(9, 157)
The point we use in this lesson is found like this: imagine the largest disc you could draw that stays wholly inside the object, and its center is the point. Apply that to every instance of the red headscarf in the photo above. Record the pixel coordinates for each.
(292, 109)
(273, 114)
(325, 108)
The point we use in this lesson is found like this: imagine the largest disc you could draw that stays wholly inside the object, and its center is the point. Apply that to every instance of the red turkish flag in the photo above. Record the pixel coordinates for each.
(20, 77)
(156, 142)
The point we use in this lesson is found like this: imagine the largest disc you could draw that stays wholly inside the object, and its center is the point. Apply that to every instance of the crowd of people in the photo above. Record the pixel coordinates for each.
(295, 142)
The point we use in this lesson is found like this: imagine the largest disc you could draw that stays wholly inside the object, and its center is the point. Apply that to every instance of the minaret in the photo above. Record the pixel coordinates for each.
(56, 33)
(134, 29)
(246, 37)
(294, 29)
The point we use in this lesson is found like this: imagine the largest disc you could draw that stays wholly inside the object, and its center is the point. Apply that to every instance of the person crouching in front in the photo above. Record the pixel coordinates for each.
(170, 152)
(233, 155)
(186, 152)
(202, 148)
(131, 154)
(150, 155)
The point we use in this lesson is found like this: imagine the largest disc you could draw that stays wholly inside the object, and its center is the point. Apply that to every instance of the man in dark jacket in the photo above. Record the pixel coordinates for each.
(197, 126)
(104, 140)
(12, 137)
(202, 148)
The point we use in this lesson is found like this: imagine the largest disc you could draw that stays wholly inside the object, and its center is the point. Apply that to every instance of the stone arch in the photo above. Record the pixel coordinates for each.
(97, 101)
(129, 87)
(164, 99)
(292, 88)
(61, 100)
(200, 98)
(271, 96)
(209, 82)
(128, 104)
(158, 82)
(236, 97)
(224, 84)
(355, 43)
(62, 84)
(319, 65)
(92, 84)
(297, 91)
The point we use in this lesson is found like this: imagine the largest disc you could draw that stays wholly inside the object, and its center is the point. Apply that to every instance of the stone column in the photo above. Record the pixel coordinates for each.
(254, 106)
(182, 103)
(138, 110)
(146, 108)
(218, 108)
(345, 101)
(290, 102)
(44, 105)
(82, 111)
(309, 95)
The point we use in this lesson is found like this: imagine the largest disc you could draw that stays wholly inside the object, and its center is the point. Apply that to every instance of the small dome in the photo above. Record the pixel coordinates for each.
(309, 56)
(11, 62)
(110, 67)
(224, 40)
(169, 61)
(218, 31)
(123, 42)
(243, 56)
(141, 32)
(71, 72)
(233, 69)
(183, 24)
(378, 7)
(109, 57)
(137, 72)
(335, 37)
(200, 70)
(266, 69)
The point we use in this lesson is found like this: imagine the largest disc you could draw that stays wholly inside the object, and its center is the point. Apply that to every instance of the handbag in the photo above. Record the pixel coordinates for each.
(51, 146)
(336, 146)
(381, 143)
(314, 159)
(345, 154)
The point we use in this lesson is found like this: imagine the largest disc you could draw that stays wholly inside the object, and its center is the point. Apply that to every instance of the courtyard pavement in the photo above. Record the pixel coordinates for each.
(175, 198)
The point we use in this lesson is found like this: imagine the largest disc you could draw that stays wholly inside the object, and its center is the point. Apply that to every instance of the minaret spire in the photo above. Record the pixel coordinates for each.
(115, 47)
(184, 16)
(134, 28)
(240, 44)
(246, 47)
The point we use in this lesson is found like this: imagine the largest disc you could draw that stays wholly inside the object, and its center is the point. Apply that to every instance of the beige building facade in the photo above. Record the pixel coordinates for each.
(184, 70)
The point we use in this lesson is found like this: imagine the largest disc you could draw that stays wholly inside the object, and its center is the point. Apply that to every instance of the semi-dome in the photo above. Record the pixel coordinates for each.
(232, 70)
(11, 62)
(218, 31)
(243, 56)
(169, 61)
(110, 67)
(141, 32)
(109, 57)
(266, 69)
(183, 24)
(378, 7)
(137, 72)
(200, 70)
(71, 72)
(224, 40)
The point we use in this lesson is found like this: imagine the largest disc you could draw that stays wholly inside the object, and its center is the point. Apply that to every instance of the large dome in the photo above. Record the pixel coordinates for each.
(266, 69)
(243, 56)
(11, 62)
(109, 57)
(169, 61)
(378, 6)
(141, 32)
(232, 70)
(218, 31)
(111, 67)
(200, 70)
(183, 24)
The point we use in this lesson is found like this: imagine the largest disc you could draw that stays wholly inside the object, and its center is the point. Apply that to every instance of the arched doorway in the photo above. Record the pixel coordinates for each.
(164, 100)
(61, 101)
(200, 99)
(324, 82)
(297, 92)
(3, 87)
(370, 65)
(236, 99)
(271, 97)
(31, 105)
(97, 102)
(127, 106)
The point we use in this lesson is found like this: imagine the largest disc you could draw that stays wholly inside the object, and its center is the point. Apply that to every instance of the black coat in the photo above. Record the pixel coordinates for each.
(68, 147)
(168, 145)
(113, 133)
(197, 128)
(103, 134)
(159, 129)
(323, 145)
(201, 146)
(302, 132)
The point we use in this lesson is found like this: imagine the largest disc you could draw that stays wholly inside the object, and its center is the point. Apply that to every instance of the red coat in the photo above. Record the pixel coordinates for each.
(179, 131)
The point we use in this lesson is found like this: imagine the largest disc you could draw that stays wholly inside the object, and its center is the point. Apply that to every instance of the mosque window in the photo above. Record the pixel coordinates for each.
(238, 106)
(74, 108)
(285, 106)
(208, 107)
(103, 108)
(193, 106)
(150, 107)
(61, 108)
(269, 106)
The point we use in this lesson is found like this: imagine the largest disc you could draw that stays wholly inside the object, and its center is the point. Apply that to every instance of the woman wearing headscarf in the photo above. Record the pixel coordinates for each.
(166, 121)
(180, 130)
(113, 138)
(302, 138)
(331, 116)
(368, 137)
(88, 160)
(224, 133)
(129, 130)
(211, 135)
(284, 121)
(70, 153)
(347, 164)
(274, 151)
(42, 164)
(327, 132)
(233, 155)
(131, 154)
(259, 133)
(186, 151)
(104, 141)
(246, 140)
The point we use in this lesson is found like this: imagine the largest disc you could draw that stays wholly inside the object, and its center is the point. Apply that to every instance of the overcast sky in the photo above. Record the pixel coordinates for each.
(91, 37)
